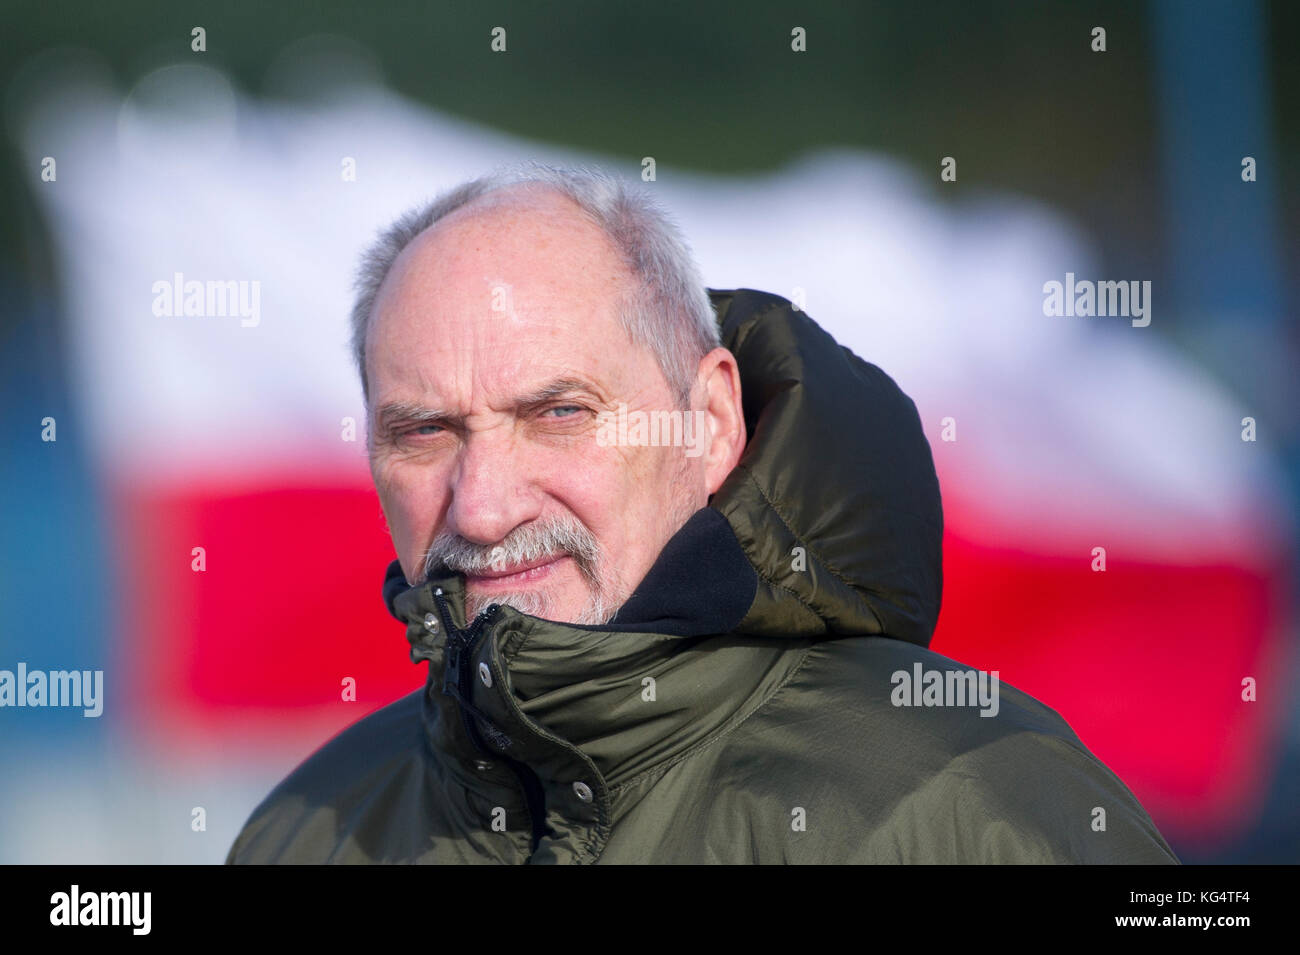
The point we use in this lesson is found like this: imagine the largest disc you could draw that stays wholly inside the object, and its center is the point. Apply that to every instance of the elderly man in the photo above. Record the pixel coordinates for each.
(674, 557)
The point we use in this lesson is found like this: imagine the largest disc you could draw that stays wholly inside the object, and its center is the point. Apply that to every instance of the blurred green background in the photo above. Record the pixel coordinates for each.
(1012, 88)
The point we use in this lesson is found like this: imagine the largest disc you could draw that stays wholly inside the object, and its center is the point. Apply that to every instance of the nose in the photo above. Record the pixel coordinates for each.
(492, 490)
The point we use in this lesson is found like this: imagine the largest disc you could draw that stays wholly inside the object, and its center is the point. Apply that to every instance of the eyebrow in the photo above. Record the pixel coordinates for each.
(398, 412)
(395, 412)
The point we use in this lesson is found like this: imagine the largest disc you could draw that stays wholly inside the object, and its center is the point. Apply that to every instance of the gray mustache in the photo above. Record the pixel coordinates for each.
(528, 542)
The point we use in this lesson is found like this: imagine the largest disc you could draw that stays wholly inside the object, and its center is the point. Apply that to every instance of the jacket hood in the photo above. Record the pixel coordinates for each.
(835, 502)
(831, 525)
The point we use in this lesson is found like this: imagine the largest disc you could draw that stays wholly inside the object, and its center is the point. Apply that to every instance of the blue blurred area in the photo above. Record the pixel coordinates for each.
(1224, 239)
(57, 607)
(1215, 102)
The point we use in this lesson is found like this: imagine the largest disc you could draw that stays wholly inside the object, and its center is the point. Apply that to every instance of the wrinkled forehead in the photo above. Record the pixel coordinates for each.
(491, 299)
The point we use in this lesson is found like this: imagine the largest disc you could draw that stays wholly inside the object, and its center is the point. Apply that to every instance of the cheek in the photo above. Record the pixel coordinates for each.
(598, 486)
(622, 495)
(587, 484)
(412, 500)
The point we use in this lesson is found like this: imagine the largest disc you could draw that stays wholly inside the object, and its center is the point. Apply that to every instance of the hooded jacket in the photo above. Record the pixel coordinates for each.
(766, 695)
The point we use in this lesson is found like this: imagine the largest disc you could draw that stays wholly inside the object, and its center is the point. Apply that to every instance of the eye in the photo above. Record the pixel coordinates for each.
(420, 431)
(565, 411)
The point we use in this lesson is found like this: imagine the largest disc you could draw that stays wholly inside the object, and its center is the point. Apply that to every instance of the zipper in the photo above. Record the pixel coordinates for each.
(457, 682)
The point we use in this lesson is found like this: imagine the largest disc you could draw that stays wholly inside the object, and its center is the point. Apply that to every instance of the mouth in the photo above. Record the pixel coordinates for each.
(516, 575)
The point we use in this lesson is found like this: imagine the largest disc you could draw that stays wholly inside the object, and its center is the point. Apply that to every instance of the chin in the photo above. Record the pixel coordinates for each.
(590, 610)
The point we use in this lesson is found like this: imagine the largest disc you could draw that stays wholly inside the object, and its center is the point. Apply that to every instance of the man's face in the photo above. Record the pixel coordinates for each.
(493, 347)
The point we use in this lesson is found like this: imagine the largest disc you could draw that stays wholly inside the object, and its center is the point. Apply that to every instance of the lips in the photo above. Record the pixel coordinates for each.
(518, 573)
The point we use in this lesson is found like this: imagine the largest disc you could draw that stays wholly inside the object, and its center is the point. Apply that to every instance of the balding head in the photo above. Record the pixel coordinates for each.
(527, 257)
(666, 307)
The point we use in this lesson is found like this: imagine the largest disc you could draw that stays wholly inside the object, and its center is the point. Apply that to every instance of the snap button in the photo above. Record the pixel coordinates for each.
(430, 623)
(482, 765)
(485, 674)
(583, 791)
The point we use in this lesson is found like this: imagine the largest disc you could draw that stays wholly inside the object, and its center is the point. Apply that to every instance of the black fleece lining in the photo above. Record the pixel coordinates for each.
(394, 585)
(701, 584)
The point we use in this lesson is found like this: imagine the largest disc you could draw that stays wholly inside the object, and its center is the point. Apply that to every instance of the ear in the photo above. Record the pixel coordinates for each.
(718, 382)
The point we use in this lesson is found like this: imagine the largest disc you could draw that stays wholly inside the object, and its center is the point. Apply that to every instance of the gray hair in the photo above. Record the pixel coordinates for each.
(668, 310)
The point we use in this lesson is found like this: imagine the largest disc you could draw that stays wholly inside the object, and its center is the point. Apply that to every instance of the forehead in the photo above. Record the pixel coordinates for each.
(497, 295)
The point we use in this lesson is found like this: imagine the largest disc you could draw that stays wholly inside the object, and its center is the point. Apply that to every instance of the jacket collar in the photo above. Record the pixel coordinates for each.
(658, 679)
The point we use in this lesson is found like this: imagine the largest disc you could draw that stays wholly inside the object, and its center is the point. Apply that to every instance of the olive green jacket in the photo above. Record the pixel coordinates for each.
(765, 696)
